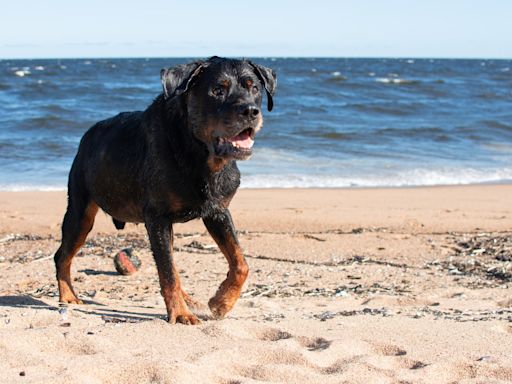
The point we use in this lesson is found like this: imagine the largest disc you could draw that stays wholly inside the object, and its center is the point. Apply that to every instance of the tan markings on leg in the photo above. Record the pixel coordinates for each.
(191, 303)
(66, 292)
(229, 291)
(177, 310)
(174, 296)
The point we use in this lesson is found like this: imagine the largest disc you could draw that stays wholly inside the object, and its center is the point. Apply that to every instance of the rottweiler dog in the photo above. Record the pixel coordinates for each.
(173, 162)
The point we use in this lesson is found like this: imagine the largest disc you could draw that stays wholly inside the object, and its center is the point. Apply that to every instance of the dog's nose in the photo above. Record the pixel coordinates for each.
(250, 111)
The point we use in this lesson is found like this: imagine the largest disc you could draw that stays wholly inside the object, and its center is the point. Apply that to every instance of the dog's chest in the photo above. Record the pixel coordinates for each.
(200, 203)
(201, 196)
(190, 212)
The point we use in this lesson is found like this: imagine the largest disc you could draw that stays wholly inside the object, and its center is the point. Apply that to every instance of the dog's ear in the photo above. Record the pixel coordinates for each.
(178, 80)
(268, 78)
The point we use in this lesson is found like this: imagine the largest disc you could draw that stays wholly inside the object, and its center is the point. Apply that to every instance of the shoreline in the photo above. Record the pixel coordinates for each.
(355, 187)
(422, 209)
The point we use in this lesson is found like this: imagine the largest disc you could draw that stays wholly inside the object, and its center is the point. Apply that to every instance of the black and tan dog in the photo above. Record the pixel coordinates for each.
(171, 163)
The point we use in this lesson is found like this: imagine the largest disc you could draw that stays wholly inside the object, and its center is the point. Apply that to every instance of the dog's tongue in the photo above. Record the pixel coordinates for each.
(242, 140)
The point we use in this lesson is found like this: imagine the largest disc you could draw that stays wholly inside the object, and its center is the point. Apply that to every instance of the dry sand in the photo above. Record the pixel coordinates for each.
(356, 286)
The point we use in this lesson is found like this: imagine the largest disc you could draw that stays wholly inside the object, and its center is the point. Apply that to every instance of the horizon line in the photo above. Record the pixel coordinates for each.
(258, 57)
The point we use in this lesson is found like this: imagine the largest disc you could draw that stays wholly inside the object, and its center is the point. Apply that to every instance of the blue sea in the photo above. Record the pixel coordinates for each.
(336, 122)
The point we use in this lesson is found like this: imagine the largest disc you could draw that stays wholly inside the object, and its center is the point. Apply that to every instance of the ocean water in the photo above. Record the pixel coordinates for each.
(336, 122)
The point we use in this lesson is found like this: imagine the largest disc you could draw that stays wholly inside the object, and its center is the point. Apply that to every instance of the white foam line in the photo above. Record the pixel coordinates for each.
(25, 188)
(404, 178)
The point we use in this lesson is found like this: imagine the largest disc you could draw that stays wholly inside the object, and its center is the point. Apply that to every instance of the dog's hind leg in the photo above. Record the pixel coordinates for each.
(78, 222)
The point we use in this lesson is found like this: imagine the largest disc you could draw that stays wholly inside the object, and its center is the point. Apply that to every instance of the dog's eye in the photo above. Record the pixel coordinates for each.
(218, 91)
(255, 89)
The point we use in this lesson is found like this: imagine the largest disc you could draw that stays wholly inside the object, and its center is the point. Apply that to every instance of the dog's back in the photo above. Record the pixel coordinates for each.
(108, 163)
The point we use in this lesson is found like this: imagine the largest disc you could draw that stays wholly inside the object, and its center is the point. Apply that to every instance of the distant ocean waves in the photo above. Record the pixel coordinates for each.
(336, 122)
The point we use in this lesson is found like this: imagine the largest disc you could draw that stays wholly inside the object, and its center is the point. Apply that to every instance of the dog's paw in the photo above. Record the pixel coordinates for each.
(191, 303)
(219, 308)
(67, 294)
(71, 300)
(187, 319)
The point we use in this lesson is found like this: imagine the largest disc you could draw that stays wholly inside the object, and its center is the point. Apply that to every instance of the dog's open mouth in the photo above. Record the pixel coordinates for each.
(238, 146)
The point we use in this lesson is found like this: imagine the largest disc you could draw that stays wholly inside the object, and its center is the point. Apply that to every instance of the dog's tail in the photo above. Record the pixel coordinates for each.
(118, 224)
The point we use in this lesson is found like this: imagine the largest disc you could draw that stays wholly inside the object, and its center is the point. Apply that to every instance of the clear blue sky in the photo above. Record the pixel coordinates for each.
(351, 28)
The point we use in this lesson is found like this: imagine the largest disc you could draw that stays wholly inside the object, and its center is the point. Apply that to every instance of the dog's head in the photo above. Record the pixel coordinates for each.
(223, 102)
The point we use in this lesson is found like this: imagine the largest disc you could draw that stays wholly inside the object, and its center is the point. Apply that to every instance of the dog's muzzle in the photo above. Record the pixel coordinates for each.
(238, 146)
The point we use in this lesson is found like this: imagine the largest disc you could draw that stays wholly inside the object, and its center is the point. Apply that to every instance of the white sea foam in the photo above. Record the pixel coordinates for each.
(22, 72)
(29, 187)
(393, 80)
(338, 76)
(406, 178)
(416, 177)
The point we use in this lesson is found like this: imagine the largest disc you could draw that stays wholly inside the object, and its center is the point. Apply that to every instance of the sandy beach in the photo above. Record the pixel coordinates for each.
(345, 286)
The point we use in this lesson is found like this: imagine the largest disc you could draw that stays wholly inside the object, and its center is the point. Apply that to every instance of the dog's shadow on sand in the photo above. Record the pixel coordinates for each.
(22, 301)
(108, 314)
(90, 308)
(92, 272)
(26, 301)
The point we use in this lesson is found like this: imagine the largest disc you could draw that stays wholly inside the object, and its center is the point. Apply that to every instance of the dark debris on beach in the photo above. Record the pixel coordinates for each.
(483, 255)
(457, 315)
(474, 260)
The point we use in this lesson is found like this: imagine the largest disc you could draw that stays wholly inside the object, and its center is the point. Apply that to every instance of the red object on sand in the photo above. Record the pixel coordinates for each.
(126, 262)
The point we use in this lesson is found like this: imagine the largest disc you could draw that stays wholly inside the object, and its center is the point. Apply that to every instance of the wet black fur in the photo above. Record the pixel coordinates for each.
(152, 166)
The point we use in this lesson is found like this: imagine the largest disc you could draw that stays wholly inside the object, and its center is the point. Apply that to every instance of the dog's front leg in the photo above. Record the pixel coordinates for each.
(161, 238)
(220, 226)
